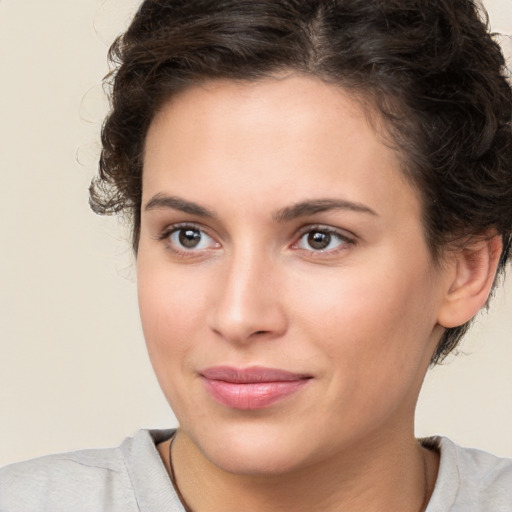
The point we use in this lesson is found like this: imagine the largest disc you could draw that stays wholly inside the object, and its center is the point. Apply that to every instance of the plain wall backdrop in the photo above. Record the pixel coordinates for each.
(73, 367)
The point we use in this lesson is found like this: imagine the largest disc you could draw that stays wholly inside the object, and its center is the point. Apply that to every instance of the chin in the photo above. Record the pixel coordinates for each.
(250, 449)
(246, 460)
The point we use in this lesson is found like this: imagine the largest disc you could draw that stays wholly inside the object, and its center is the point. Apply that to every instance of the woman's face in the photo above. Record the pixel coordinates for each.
(287, 295)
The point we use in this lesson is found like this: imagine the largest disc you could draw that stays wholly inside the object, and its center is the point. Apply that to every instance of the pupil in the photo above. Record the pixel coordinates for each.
(318, 240)
(189, 238)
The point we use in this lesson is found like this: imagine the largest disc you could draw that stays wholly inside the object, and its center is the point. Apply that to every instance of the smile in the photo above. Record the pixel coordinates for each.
(251, 388)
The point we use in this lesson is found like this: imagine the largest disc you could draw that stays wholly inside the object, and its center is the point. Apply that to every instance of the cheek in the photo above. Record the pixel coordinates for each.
(379, 343)
(171, 309)
(375, 325)
(172, 313)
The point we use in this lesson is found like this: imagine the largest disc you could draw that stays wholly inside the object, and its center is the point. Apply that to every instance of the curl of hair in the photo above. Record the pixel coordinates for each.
(428, 68)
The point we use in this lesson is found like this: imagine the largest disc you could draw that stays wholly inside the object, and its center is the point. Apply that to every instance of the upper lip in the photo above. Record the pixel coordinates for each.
(253, 374)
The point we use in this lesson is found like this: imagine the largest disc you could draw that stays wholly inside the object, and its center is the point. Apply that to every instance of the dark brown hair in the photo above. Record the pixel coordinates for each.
(429, 68)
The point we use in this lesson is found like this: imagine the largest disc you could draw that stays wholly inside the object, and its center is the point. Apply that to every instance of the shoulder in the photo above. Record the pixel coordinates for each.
(78, 481)
(65, 481)
(471, 480)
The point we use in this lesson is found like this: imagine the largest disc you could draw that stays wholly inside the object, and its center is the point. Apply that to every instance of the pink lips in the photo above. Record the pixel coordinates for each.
(251, 388)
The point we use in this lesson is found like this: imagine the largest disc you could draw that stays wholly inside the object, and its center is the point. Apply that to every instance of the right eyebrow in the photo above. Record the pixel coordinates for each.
(162, 201)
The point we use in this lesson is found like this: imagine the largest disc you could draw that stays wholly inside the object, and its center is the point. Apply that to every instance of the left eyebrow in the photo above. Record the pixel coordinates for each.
(317, 206)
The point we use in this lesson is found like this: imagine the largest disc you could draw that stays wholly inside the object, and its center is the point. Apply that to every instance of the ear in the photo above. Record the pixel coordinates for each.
(471, 274)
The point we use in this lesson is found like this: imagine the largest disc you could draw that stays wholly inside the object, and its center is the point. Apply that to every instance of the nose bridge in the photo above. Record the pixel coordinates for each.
(246, 303)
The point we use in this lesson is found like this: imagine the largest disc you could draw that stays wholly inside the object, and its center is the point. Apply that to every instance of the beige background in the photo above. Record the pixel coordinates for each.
(73, 367)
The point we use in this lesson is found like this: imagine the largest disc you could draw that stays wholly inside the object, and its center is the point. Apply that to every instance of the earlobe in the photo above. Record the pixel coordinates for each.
(473, 272)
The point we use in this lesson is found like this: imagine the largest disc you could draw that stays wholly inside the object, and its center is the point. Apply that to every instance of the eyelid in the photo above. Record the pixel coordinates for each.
(342, 233)
(171, 228)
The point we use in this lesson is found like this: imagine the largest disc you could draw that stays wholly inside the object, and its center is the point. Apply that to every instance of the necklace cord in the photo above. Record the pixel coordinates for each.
(172, 475)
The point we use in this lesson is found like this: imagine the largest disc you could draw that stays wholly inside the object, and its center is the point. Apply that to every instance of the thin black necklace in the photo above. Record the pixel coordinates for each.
(173, 477)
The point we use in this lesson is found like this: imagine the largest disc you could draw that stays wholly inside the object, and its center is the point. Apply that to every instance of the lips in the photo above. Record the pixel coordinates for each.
(251, 388)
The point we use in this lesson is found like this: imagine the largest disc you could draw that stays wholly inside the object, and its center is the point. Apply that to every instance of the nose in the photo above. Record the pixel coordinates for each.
(247, 303)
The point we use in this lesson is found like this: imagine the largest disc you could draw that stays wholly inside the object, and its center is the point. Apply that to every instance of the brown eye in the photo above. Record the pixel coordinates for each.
(319, 240)
(323, 240)
(189, 238)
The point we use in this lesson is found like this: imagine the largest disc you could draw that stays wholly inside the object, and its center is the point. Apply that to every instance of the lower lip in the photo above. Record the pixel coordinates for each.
(251, 396)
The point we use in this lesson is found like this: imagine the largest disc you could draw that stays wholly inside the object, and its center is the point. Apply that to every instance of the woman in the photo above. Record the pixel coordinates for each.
(321, 198)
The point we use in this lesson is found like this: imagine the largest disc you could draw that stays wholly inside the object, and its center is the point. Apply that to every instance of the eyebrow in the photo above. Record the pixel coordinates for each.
(161, 201)
(301, 209)
(311, 207)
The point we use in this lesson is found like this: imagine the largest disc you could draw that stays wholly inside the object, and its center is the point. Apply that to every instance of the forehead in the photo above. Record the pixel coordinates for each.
(288, 133)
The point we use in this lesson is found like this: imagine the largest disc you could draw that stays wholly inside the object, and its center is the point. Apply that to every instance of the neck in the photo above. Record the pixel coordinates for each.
(381, 475)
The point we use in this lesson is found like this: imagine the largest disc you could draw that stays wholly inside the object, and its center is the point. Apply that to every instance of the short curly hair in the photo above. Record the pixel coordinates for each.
(430, 69)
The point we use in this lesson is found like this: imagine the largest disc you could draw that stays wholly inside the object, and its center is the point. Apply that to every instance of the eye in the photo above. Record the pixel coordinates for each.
(189, 238)
(322, 240)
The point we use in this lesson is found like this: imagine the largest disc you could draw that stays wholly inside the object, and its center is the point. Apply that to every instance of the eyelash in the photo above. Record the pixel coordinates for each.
(344, 241)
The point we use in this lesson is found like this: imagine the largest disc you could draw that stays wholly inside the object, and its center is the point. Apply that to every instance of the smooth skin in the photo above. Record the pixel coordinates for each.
(278, 231)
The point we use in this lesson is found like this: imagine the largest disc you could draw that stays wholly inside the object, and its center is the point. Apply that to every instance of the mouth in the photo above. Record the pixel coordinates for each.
(251, 388)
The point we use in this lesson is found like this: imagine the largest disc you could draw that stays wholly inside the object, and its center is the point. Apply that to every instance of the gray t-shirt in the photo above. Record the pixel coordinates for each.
(132, 478)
